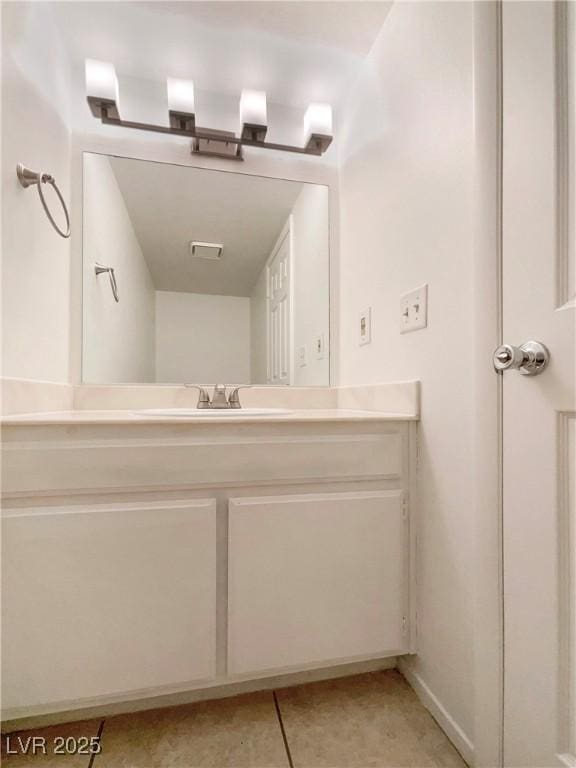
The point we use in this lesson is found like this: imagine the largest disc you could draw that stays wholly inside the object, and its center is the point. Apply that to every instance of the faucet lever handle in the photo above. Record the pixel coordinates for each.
(234, 397)
(203, 396)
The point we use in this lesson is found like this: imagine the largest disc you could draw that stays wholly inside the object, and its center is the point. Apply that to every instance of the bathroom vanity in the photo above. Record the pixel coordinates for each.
(146, 556)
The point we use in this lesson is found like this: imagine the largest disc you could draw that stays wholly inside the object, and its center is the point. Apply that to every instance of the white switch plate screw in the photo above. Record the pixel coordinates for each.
(414, 310)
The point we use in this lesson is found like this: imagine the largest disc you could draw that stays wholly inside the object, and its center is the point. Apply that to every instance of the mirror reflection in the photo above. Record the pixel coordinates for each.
(202, 276)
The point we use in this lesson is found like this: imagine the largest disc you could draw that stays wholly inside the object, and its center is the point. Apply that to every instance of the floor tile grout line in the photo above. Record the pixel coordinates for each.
(94, 755)
(284, 737)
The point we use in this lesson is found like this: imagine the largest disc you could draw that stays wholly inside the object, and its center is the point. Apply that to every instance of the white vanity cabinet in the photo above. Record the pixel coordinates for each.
(315, 578)
(101, 600)
(144, 558)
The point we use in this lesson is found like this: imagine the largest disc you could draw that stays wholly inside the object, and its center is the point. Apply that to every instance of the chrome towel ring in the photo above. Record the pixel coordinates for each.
(99, 269)
(27, 178)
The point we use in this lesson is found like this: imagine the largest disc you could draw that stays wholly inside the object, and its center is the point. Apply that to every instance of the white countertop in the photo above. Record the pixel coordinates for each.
(134, 417)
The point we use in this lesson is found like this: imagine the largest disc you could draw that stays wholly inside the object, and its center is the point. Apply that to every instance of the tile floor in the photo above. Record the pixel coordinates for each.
(366, 721)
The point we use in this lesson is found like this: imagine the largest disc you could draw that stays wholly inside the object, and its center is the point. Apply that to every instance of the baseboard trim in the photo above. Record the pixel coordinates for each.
(444, 719)
(122, 704)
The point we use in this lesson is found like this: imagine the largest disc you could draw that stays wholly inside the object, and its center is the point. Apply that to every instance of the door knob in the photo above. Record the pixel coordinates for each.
(530, 359)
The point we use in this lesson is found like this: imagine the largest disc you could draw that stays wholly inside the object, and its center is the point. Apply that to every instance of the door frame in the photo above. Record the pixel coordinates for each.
(487, 395)
(287, 231)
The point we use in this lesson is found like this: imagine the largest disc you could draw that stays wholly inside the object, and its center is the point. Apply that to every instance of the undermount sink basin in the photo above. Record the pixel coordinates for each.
(221, 413)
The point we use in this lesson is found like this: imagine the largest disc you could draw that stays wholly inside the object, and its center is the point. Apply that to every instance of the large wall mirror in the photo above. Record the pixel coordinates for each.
(201, 276)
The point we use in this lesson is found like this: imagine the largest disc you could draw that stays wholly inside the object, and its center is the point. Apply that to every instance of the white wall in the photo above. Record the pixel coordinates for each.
(406, 219)
(311, 281)
(118, 336)
(202, 339)
(35, 259)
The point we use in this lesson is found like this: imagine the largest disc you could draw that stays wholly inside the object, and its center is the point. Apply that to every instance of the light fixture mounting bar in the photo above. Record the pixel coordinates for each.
(316, 146)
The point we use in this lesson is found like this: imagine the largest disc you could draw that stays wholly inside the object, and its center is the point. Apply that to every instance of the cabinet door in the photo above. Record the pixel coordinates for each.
(107, 599)
(315, 578)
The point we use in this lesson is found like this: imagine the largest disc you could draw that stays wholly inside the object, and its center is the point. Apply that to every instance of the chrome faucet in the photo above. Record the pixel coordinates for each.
(219, 398)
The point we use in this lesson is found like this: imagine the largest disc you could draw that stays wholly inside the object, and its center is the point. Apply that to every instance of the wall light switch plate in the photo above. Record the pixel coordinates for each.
(365, 326)
(414, 310)
(319, 346)
(301, 356)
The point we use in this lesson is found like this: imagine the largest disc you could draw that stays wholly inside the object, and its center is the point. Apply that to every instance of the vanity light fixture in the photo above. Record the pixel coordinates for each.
(102, 95)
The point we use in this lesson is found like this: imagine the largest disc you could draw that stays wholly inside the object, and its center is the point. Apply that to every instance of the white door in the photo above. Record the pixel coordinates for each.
(539, 412)
(279, 279)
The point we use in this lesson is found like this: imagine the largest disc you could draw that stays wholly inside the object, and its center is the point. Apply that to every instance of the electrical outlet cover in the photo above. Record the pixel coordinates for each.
(301, 356)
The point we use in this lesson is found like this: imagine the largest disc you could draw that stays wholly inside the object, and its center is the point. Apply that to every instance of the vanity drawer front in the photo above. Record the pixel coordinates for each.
(316, 578)
(190, 459)
(106, 599)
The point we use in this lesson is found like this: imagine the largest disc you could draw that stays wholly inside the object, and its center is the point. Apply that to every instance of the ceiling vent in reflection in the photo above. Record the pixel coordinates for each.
(211, 251)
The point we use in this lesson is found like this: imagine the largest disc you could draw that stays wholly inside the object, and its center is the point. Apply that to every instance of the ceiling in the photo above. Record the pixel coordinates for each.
(245, 213)
(347, 26)
(297, 51)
